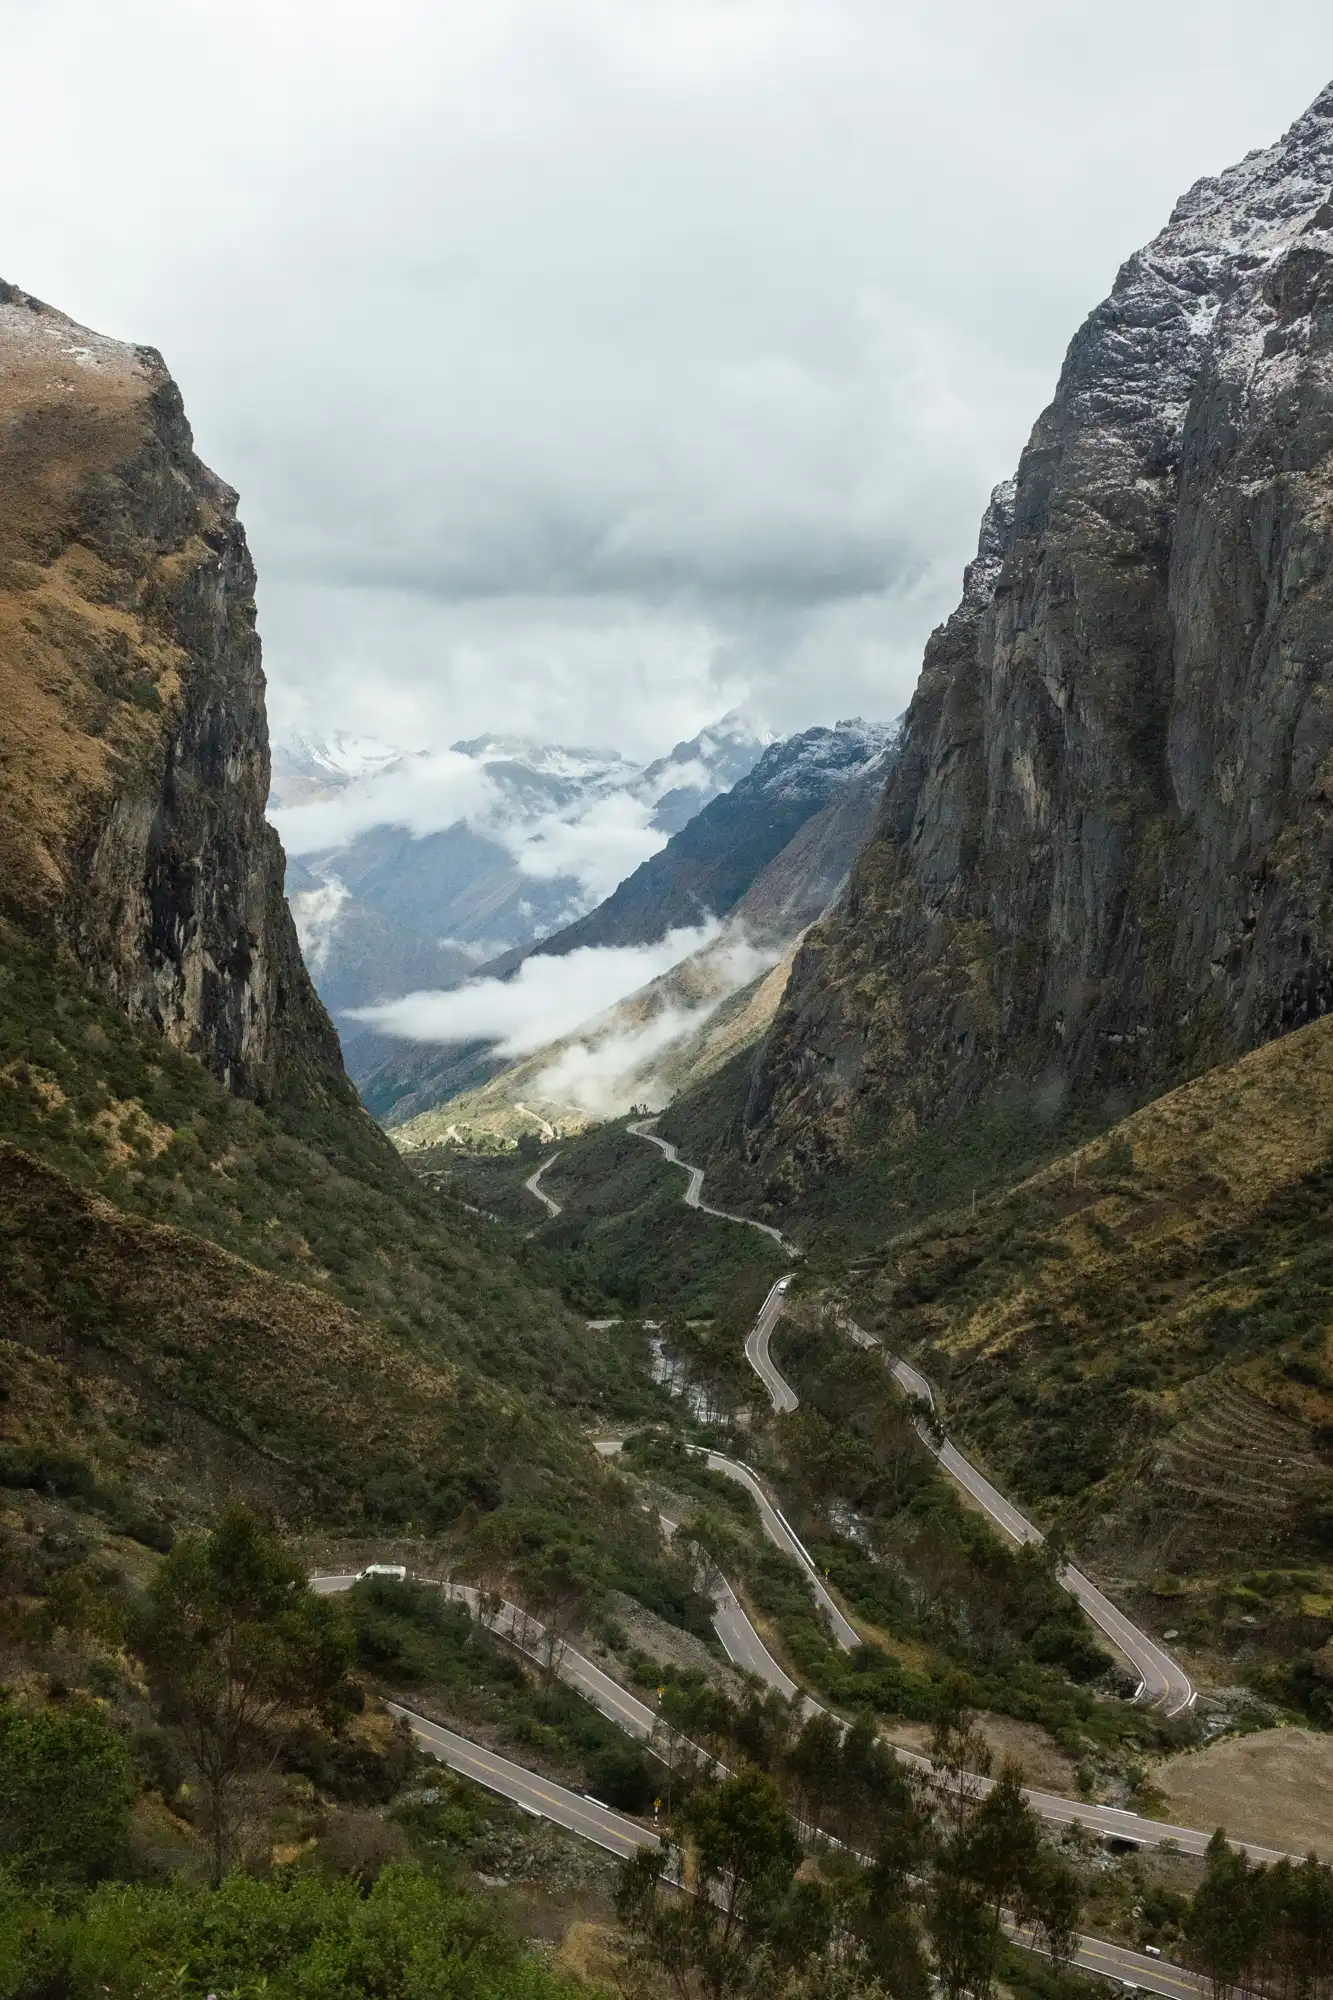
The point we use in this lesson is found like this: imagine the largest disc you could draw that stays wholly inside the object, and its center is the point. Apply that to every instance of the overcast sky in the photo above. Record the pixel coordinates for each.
(588, 369)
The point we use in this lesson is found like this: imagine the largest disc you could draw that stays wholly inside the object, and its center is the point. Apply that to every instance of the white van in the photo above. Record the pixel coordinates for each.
(398, 1571)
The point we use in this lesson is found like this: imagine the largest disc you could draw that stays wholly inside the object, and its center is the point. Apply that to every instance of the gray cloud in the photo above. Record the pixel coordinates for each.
(591, 368)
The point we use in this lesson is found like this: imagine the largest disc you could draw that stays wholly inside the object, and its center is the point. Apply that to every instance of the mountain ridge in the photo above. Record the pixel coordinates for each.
(135, 709)
(823, 784)
(1102, 859)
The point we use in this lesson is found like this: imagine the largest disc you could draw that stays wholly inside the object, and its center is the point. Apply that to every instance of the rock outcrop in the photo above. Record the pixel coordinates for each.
(1104, 858)
(134, 765)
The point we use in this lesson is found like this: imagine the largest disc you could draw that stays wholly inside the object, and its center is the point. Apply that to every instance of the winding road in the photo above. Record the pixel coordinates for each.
(693, 1195)
(781, 1393)
(783, 1536)
(621, 1836)
(1163, 1682)
(533, 1184)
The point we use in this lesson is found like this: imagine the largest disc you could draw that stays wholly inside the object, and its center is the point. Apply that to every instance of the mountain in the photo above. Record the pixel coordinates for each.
(387, 902)
(771, 853)
(216, 1276)
(706, 868)
(135, 735)
(1102, 862)
(683, 1026)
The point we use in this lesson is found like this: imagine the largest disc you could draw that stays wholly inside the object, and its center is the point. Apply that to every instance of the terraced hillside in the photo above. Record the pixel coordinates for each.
(1137, 1338)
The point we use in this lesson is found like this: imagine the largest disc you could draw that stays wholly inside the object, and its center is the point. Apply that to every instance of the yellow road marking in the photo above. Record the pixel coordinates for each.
(566, 1801)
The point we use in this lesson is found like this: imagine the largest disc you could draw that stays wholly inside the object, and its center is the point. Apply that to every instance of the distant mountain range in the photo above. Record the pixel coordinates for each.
(706, 868)
(767, 857)
(408, 870)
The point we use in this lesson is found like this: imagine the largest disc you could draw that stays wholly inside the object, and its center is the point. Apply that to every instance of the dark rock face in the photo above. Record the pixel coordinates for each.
(1103, 859)
(134, 799)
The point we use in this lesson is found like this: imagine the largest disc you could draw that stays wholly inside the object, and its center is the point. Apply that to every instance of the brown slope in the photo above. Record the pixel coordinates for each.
(1137, 1338)
(134, 769)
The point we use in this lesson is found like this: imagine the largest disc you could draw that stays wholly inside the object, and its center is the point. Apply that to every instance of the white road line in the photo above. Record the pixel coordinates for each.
(1163, 1681)
(580, 1815)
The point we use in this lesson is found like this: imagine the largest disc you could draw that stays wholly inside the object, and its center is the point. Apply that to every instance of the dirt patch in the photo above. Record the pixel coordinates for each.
(1275, 1787)
(590, 1952)
(1044, 1765)
(649, 1634)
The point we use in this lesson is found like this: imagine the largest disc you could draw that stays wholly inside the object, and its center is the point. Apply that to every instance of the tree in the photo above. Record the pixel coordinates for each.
(960, 1754)
(65, 1793)
(1050, 1903)
(236, 1645)
(1225, 1924)
(962, 1932)
(745, 1853)
(1000, 1847)
(741, 1860)
(992, 1858)
(812, 1766)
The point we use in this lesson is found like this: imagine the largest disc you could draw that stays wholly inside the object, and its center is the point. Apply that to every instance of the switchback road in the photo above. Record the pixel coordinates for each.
(783, 1536)
(1163, 1682)
(532, 1184)
(693, 1195)
(781, 1393)
(612, 1831)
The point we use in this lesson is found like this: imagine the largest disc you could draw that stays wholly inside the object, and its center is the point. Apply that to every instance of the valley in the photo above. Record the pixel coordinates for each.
(791, 1458)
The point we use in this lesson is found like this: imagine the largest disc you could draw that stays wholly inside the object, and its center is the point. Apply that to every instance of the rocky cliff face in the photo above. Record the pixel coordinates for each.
(134, 767)
(1103, 860)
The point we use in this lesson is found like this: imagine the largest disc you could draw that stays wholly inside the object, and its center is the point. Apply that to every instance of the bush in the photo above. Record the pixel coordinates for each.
(64, 1794)
(297, 1936)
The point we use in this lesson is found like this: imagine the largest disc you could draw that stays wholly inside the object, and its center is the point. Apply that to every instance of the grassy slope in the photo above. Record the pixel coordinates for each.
(625, 1241)
(1137, 1339)
(309, 1189)
(888, 1187)
(201, 1297)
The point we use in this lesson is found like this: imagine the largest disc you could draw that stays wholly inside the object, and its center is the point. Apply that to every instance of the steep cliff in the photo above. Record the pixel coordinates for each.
(1103, 860)
(134, 767)
(202, 1233)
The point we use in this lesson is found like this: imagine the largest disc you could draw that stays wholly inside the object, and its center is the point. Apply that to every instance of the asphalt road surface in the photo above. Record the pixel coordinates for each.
(693, 1195)
(783, 1536)
(532, 1184)
(617, 1835)
(781, 1393)
(538, 1795)
(1163, 1682)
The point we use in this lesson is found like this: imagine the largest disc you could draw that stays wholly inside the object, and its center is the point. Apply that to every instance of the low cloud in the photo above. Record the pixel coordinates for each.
(316, 913)
(604, 1077)
(546, 999)
(621, 1062)
(424, 793)
(599, 847)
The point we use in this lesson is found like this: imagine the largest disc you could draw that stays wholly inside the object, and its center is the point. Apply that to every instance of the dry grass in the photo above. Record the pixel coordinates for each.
(1274, 1787)
(1044, 1765)
(1169, 1277)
